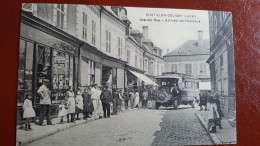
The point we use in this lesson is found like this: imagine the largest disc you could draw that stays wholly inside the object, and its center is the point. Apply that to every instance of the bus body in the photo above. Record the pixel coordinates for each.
(188, 85)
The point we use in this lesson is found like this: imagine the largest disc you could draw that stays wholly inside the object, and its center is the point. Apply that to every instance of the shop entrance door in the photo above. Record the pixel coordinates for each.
(43, 66)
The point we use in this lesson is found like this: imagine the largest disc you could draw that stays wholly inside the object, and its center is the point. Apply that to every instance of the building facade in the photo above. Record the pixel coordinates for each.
(78, 45)
(221, 60)
(190, 59)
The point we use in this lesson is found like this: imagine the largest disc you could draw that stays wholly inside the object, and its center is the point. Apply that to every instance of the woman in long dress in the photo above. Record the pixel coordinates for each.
(136, 99)
(212, 115)
(100, 107)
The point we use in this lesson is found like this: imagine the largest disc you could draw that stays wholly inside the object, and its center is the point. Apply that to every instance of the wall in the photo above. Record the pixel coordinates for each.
(93, 14)
(117, 29)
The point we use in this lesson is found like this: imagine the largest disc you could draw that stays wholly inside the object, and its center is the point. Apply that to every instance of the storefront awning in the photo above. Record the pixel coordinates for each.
(204, 86)
(143, 78)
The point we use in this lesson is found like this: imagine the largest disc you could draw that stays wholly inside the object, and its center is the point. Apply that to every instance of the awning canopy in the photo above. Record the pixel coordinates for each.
(204, 86)
(143, 78)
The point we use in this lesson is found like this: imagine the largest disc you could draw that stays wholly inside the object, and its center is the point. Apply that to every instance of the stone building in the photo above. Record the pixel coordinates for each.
(221, 60)
(190, 59)
(72, 45)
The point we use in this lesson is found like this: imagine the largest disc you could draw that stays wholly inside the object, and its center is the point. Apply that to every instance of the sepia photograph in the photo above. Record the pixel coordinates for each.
(124, 76)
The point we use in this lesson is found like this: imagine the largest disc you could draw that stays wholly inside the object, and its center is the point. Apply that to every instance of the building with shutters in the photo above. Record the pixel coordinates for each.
(190, 59)
(221, 60)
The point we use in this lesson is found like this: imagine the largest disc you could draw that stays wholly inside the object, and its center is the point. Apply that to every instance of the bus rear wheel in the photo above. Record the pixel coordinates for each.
(175, 104)
(157, 105)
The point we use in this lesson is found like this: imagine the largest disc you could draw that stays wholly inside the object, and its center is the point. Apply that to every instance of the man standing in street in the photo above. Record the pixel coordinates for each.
(145, 95)
(126, 98)
(106, 98)
(45, 103)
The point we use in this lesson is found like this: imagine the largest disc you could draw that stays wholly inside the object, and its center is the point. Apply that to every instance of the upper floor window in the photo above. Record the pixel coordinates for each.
(30, 7)
(120, 47)
(84, 26)
(128, 56)
(108, 41)
(188, 69)
(158, 69)
(174, 68)
(141, 62)
(60, 16)
(135, 60)
(203, 68)
(93, 33)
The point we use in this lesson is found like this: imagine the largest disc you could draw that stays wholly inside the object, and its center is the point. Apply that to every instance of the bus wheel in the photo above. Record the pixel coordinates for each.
(192, 105)
(175, 104)
(157, 105)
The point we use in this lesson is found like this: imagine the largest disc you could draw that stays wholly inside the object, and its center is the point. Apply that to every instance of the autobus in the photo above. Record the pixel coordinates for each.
(187, 85)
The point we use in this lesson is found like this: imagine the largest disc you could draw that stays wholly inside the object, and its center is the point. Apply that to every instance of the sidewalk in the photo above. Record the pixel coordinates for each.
(227, 135)
(24, 137)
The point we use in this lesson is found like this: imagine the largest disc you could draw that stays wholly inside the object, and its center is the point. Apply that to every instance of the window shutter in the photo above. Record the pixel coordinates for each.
(65, 17)
(27, 7)
(35, 10)
(54, 14)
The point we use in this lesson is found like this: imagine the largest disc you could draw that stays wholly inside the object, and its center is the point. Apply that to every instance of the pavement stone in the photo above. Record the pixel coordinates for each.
(227, 135)
(181, 127)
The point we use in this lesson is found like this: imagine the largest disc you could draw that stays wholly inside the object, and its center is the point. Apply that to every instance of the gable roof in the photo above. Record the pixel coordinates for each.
(190, 47)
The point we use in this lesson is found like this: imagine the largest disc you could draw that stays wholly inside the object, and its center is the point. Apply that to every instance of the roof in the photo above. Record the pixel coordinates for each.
(191, 47)
(147, 40)
(134, 31)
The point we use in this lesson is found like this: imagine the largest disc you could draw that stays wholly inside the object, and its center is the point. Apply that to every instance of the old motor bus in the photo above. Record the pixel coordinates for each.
(187, 85)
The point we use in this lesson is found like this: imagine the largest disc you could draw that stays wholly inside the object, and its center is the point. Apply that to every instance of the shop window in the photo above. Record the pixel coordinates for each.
(92, 72)
(62, 74)
(93, 33)
(108, 41)
(25, 70)
(84, 27)
(60, 16)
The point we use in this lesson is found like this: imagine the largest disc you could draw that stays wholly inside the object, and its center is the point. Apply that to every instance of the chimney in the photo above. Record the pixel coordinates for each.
(200, 40)
(145, 31)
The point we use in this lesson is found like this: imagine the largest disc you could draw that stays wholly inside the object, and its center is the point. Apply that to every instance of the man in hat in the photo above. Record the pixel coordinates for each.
(45, 102)
(106, 98)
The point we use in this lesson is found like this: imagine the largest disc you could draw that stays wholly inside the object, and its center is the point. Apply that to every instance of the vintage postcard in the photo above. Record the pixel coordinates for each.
(110, 75)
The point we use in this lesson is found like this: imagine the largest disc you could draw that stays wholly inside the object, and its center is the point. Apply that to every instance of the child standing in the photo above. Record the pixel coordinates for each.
(29, 112)
(79, 104)
(62, 111)
(71, 104)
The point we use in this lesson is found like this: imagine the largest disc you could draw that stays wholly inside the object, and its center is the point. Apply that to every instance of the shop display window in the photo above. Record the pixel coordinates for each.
(25, 70)
(62, 75)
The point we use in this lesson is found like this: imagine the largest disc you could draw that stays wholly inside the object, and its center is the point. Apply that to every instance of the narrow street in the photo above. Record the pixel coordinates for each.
(141, 127)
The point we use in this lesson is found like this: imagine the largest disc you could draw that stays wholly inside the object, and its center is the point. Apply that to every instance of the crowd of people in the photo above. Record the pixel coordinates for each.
(90, 101)
(211, 103)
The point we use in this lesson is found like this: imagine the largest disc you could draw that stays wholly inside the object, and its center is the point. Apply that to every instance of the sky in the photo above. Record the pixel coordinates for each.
(172, 33)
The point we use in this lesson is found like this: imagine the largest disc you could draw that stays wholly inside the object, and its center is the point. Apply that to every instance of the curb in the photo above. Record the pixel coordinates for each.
(212, 136)
(21, 143)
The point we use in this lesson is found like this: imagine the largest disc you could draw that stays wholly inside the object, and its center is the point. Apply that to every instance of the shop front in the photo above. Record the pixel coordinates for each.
(113, 73)
(90, 66)
(45, 52)
(136, 78)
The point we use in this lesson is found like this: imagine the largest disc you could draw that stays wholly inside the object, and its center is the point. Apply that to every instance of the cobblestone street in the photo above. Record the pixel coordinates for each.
(135, 128)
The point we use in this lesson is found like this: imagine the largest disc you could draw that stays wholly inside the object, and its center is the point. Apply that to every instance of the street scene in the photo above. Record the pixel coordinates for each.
(107, 75)
(136, 127)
